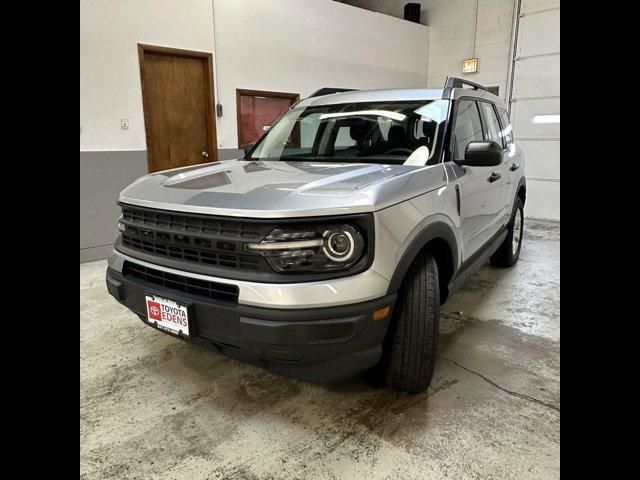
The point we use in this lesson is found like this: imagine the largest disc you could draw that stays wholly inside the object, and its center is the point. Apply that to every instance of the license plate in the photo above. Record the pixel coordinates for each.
(167, 315)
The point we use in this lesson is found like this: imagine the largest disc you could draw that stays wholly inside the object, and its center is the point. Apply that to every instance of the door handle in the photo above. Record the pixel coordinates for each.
(205, 154)
(514, 167)
(494, 176)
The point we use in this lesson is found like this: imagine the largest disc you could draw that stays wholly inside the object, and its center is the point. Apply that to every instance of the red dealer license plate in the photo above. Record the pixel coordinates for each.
(167, 315)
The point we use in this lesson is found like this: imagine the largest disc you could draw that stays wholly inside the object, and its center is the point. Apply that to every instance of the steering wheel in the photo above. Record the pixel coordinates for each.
(399, 149)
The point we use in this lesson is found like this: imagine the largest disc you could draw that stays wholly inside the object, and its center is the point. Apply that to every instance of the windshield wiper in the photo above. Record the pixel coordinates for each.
(302, 159)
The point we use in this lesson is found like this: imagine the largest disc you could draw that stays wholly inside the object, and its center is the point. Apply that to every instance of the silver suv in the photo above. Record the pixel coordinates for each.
(329, 248)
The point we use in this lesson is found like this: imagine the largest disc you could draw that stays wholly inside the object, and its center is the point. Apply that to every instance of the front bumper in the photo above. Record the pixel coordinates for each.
(315, 344)
(362, 287)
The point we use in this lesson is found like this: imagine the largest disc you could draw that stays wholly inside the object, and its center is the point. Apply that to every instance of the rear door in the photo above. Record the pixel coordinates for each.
(493, 132)
(479, 193)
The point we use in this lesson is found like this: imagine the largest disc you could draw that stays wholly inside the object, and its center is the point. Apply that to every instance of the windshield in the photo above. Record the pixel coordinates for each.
(407, 133)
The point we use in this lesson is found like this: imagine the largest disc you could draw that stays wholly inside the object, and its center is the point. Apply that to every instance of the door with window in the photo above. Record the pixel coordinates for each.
(479, 196)
(257, 110)
(494, 132)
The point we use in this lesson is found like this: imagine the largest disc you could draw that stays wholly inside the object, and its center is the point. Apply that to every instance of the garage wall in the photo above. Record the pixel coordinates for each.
(288, 45)
(111, 158)
(452, 29)
(299, 46)
(283, 45)
(394, 8)
(452, 24)
(518, 47)
(535, 93)
(109, 69)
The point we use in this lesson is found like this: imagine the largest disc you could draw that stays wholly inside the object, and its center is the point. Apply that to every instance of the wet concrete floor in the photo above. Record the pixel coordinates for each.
(152, 406)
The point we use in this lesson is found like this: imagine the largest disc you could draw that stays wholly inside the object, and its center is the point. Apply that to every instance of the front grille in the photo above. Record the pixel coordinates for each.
(194, 238)
(181, 222)
(191, 254)
(194, 286)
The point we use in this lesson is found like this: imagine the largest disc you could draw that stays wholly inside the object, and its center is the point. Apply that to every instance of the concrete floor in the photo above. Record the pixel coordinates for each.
(152, 406)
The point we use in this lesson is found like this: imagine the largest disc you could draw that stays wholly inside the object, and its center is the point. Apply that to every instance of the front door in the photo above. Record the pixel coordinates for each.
(177, 94)
(479, 192)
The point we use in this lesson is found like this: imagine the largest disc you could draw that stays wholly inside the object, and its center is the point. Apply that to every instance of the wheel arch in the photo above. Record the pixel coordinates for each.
(440, 241)
(521, 191)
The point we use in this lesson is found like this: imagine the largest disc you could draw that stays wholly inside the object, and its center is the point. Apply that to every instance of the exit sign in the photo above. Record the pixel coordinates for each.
(470, 65)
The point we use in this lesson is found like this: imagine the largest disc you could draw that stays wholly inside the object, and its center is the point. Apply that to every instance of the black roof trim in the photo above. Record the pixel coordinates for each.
(330, 90)
(456, 82)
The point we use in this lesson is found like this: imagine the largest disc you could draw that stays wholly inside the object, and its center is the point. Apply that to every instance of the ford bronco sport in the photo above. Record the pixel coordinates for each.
(329, 248)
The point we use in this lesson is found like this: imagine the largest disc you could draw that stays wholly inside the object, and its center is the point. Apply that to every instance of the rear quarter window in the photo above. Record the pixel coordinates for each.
(491, 124)
(506, 133)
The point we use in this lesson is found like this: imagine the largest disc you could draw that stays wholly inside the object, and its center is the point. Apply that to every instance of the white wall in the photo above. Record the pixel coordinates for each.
(283, 45)
(451, 39)
(299, 46)
(109, 69)
(394, 8)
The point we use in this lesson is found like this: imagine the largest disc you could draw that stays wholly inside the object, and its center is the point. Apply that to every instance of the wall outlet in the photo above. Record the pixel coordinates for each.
(124, 123)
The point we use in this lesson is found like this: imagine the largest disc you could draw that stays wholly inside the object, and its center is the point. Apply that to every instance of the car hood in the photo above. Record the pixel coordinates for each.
(273, 189)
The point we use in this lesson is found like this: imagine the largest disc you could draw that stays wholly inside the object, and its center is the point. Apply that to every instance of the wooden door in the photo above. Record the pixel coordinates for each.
(177, 97)
(257, 110)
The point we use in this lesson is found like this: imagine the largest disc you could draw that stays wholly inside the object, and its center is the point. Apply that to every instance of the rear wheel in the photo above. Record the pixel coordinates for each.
(509, 251)
(412, 345)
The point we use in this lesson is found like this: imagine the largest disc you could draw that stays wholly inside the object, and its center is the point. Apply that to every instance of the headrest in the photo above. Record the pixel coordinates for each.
(396, 134)
(359, 131)
(429, 128)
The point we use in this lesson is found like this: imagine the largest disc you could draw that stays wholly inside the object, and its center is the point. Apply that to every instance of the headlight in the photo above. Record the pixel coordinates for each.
(317, 248)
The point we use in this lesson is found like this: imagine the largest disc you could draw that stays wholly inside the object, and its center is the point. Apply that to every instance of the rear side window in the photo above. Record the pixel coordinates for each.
(492, 126)
(506, 126)
(468, 126)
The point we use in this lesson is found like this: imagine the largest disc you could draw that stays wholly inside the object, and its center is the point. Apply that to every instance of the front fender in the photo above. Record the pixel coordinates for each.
(435, 230)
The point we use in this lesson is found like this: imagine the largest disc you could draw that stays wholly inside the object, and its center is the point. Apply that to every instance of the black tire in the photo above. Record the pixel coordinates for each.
(505, 256)
(412, 344)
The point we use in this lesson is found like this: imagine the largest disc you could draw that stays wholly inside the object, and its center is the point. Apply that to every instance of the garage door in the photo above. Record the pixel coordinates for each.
(535, 103)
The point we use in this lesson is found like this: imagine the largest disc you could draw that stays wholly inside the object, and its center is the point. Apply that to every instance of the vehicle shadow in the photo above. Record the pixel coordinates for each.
(361, 403)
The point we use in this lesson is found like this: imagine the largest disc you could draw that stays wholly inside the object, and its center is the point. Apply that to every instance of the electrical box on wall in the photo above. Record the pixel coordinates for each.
(124, 123)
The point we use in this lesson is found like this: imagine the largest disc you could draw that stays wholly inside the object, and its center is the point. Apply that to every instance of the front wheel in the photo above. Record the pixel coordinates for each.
(412, 344)
(509, 251)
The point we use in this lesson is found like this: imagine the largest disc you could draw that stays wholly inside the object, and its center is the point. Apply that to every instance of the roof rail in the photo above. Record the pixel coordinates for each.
(330, 90)
(455, 82)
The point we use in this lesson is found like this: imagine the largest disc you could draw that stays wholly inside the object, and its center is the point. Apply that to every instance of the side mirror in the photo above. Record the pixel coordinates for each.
(248, 147)
(482, 154)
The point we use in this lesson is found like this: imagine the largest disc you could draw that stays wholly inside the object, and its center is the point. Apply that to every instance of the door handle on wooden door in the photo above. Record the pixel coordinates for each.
(205, 154)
